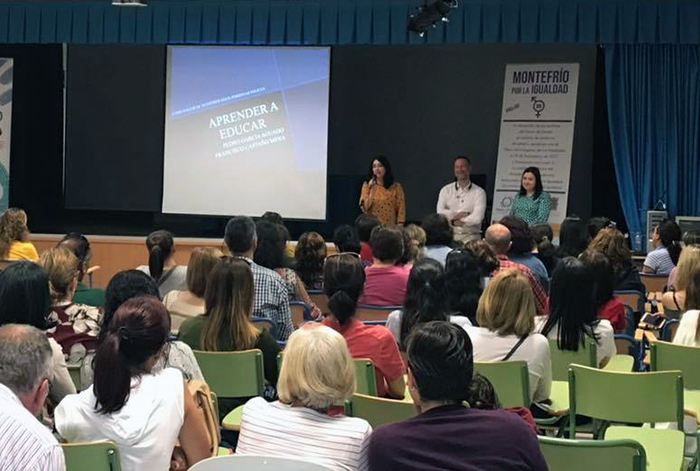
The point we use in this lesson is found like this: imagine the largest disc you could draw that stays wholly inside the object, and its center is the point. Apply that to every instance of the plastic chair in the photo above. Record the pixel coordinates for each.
(587, 455)
(300, 313)
(379, 411)
(561, 359)
(256, 463)
(265, 323)
(365, 375)
(633, 299)
(510, 379)
(97, 456)
(667, 356)
(632, 398)
(74, 372)
(654, 283)
(366, 312)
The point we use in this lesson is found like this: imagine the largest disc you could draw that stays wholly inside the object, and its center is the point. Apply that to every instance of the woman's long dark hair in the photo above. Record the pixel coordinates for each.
(538, 182)
(603, 273)
(388, 174)
(25, 297)
(310, 254)
(138, 331)
(572, 305)
(426, 297)
(463, 282)
(271, 245)
(671, 236)
(160, 247)
(343, 283)
(573, 237)
(543, 235)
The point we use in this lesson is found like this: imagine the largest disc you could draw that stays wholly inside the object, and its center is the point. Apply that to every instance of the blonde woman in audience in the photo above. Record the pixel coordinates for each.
(310, 253)
(317, 374)
(76, 327)
(143, 410)
(688, 266)
(189, 303)
(688, 332)
(14, 235)
(161, 264)
(506, 314)
(413, 245)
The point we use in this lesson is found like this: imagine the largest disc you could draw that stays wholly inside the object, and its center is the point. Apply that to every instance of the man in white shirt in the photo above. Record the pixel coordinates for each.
(25, 362)
(463, 202)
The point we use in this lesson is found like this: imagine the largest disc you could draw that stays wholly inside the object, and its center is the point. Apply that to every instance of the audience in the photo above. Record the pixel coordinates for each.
(74, 326)
(344, 280)
(689, 238)
(413, 245)
(25, 370)
(463, 281)
(270, 254)
(667, 248)
(543, 237)
(612, 243)
(573, 316)
(597, 224)
(310, 254)
(317, 374)
(426, 300)
(226, 324)
(80, 246)
(161, 264)
(142, 410)
(25, 299)
(386, 280)
(498, 238)
(446, 434)
(607, 305)
(346, 239)
(365, 224)
(486, 258)
(271, 298)
(438, 237)
(506, 317)
(688, 266)
(189, 303)
(573, 237)
(688, 332)
(14, 235)
(521, 245)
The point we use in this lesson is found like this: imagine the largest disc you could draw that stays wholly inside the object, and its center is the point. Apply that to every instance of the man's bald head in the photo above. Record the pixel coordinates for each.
(498, 237)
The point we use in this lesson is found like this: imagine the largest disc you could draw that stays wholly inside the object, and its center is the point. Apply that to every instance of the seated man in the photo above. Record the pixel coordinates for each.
(25, 363)
(271, 299)
(446, 434)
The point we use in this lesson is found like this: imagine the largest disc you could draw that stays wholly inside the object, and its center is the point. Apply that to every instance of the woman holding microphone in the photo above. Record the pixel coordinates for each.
(532, 204)
(382, 196)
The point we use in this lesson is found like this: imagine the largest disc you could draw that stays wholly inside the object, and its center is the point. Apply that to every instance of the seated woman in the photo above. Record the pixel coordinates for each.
(161, 264)
(506, 315)
(688, 332)
(344, 280)
(130, 284)
(612, 243)
(521, 247)
(426, 300)
(666, 241)
(573, 237)
(185, 304)
(486, 259)
(74, 326)
(688, 265)
(25, 299)
(80, 246)
(464, 287)
(386, 280)
(573, 316)
(413, 245)
(317, 374)
(607, 305)
(345, 239)
(14, 235)
(438, 237)
(270, 254)
(310, 253)
(689, 238)
(144, 411)
(543, 235)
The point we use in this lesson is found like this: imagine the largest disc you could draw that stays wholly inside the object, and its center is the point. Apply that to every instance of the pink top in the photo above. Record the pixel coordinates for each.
(385, 286)
(376, 343)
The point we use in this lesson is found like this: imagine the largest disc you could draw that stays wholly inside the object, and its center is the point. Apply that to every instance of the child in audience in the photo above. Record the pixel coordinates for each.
(310, 253)
(162, 267)
(482, 396)
(386, 280)
(14, 235)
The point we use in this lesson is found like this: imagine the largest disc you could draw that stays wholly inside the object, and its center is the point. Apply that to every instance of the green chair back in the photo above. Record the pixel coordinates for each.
(98, 456)
(587, 355)
(510, 379)
(365, 376)
(625, 397)
(666, 356)
(587, 455)
(233, 374)
(379, 411)
(74, 372)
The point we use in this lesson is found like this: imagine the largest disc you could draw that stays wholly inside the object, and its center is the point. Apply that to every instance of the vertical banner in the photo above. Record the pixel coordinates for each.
(6, 65)
(537, 130)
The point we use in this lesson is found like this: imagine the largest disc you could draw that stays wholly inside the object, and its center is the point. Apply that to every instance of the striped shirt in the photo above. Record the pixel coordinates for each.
(25, 444)
(278, 430)
(659, 261)
(271, 299)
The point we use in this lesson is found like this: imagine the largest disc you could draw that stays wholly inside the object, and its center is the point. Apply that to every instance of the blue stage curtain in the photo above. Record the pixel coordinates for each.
(653, 103)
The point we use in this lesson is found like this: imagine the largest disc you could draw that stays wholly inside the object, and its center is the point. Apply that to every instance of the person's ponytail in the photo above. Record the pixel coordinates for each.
(156, 262)
(160, 247)
(112, 375)
(674, 251)
(342, 305)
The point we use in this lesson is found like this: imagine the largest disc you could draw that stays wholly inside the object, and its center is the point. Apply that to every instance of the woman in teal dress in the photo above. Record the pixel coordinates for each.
(531, 203)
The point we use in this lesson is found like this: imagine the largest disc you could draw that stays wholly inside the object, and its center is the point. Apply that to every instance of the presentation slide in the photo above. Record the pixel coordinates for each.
(246, 131)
